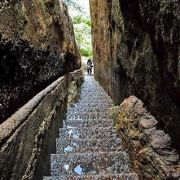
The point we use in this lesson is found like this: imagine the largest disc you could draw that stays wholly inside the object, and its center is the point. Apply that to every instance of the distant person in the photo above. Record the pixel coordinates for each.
(89, 66)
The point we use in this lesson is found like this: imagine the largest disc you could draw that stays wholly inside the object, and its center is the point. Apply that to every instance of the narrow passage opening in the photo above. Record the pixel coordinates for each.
(79, 10)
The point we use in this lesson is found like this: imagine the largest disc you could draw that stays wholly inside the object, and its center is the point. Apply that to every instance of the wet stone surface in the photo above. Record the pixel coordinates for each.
(87, 115)
(88, 133)
(127, 176)
(89, 163)
(88, 123)
(88, 146)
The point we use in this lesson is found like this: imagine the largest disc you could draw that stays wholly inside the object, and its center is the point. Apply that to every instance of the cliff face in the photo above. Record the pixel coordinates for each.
(37, 45)
(136, 52)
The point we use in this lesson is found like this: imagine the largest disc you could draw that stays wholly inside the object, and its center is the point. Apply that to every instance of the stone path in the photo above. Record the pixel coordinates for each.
(88, 147)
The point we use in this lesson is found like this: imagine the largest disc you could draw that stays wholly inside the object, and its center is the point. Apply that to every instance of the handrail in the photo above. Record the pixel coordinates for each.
(9, 126)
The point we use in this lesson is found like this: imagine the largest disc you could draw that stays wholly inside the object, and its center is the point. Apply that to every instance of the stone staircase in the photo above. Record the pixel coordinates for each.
(88, 147)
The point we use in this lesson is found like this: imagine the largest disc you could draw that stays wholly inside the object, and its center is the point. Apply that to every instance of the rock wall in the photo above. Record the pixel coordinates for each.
(136, 52)
(28, 137)
(37, 46)
(151, 150)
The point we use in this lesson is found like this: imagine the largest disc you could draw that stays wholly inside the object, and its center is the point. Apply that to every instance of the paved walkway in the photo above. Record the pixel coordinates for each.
(88, 147)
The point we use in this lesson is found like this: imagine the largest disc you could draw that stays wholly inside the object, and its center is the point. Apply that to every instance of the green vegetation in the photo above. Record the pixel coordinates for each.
(73, 4)
(79, 19)
(82, 28)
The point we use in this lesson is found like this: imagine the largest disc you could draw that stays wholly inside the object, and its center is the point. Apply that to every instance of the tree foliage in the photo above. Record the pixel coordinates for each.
(79, 19)
(82, 28)
(73, 4)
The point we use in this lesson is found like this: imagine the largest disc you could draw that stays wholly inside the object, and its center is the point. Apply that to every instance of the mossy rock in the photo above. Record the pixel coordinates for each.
(134, 134)
(118, 127)
(113, 113)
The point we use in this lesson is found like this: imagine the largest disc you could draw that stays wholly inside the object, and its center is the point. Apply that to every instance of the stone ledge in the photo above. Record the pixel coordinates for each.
(151, 151)
(27, 136)
(12, 123)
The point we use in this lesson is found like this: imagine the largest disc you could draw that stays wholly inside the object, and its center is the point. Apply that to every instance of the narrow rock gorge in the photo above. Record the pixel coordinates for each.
(136, 52)
(37, 45)
(125, 125)
(39, 60)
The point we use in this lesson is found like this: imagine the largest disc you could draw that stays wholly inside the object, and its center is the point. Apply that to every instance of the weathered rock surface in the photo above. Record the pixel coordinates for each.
(136, 51)
(151, 150)
(28, 137)
(37, 46)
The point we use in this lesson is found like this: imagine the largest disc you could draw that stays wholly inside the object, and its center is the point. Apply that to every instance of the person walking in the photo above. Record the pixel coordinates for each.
(89, 66)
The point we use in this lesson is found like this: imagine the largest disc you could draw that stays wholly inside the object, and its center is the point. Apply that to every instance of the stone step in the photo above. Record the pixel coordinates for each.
(91, 87)
(89, 163)
(125, 176)
(88, 133)
(94, 92)
(91, 97)
(88, 105)
(87, 109)
(101, 95)
(86, 115)
(96, 99)
(93, 104)
(87, 145)
(88, 123)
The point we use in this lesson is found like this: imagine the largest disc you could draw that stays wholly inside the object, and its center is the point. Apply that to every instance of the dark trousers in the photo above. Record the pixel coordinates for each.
(89, 70)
